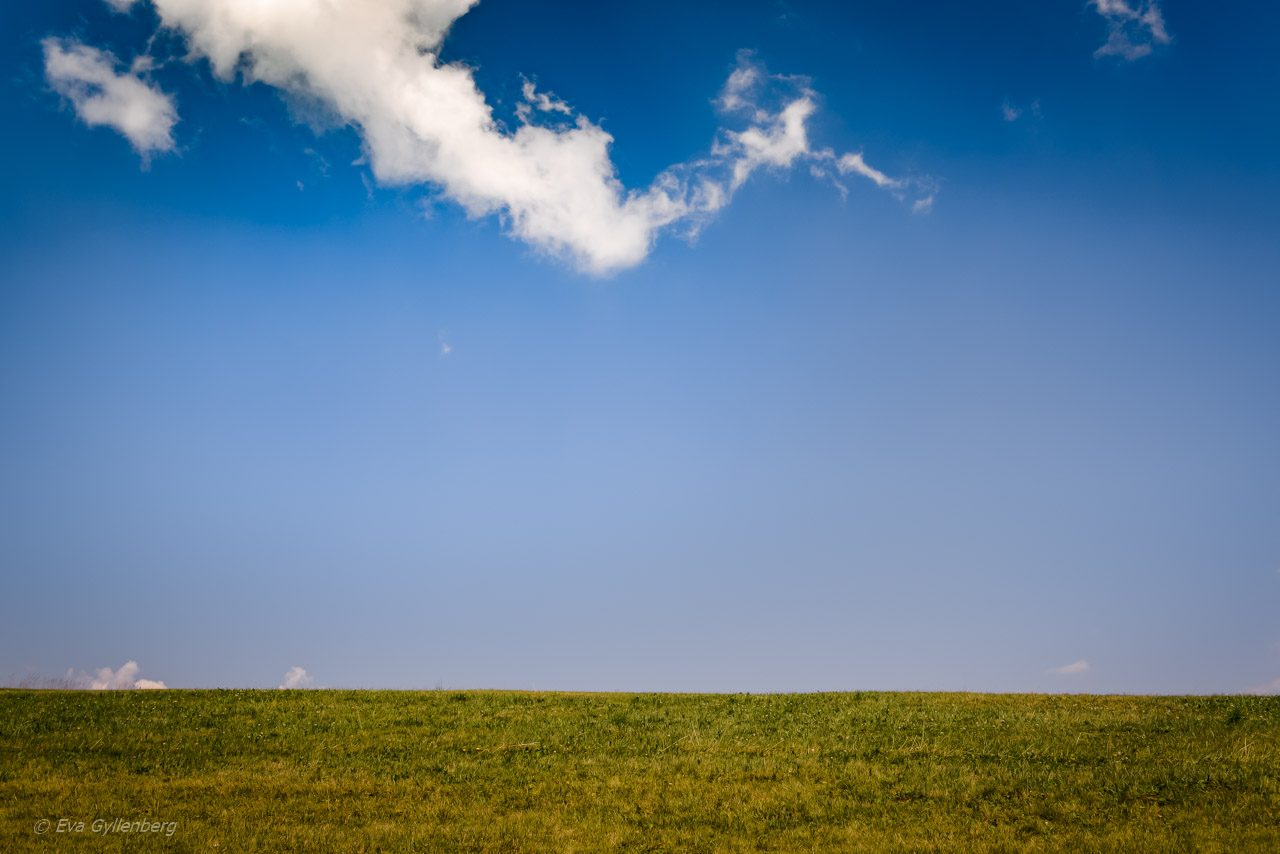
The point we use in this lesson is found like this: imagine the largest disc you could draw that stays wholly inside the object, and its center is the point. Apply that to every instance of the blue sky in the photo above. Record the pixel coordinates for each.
(996, 400)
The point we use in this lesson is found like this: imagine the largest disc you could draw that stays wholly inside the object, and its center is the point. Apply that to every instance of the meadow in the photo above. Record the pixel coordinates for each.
(508, 771)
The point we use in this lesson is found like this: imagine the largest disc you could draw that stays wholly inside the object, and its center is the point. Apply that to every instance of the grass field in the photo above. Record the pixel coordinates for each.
(497, 771)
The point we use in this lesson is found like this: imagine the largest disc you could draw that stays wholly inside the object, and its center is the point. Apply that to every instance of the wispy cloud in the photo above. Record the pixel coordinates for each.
(375, 66)
(778, 139)
(855, 164)
(1073, 669)
(105, 679)
(1011, 112)
(296, 677)
(535, 100)
(1134, 27)
(736, 90)
(102, 95)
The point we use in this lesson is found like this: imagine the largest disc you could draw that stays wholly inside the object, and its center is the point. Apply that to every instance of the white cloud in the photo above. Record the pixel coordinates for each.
(104, 96)
(106, 679)
(375, 65)
(776, 140)
(1010, 112)
(297, 677)
(121, 5)
(740, 82)
(1272, 687)
(780, 139)
(533, 99)
(1134, 27)
(1072, 669)
(918, 191)
(856, 164)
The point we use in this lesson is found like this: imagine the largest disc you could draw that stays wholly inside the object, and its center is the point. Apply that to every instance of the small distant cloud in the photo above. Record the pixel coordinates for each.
(918, 191)
(445, 348)
(1073, 669)
(297, 677)
(854, 162)
(541, 101)
(1134, 27)
(1272, 687)
(1012, 112)
(105, 679)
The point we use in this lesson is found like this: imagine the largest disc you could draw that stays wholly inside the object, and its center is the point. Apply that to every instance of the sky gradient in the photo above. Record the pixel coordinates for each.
(264, 408)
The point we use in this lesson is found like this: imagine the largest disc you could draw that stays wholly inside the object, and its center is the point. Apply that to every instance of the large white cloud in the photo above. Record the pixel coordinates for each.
(103, 95)
(1133, 27)
(375, 64)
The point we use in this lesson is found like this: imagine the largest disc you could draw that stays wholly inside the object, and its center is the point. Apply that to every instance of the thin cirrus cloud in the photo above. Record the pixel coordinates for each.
(1134, 27)
(375, 65)
(1075, 668)
(1011, 112)
(125, 678)
(103, 95)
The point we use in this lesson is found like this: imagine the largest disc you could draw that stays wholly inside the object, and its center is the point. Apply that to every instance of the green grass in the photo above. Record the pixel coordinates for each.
(496, 771)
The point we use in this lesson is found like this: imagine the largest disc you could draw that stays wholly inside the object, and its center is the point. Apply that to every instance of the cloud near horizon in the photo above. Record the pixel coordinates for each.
(1266, 689)
(296, 677)
(1073, 669)
(1134, 27)
(374, 64)
(106, 679)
